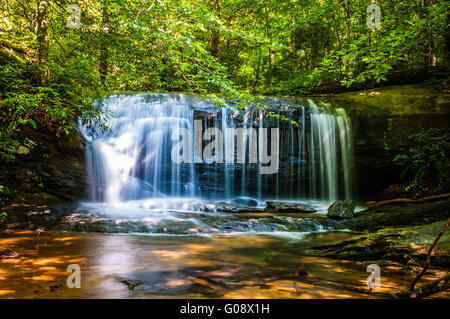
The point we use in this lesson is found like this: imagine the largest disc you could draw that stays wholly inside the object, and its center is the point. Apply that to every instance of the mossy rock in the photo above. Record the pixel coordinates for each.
(407, 245)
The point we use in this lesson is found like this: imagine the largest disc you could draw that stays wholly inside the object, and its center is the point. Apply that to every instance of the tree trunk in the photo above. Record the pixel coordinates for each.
(215, 38)
(103, 63)
(447, 38)
(42, 40)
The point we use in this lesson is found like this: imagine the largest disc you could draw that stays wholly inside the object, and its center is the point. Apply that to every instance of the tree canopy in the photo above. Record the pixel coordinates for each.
(57, 57)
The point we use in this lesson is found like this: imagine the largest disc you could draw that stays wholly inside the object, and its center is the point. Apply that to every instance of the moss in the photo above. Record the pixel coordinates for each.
(407, 245)
(395, 101)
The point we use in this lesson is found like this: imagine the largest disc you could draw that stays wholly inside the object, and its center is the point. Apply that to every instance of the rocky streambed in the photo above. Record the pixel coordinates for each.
(223, 250)
(400, 232)
(192, 217)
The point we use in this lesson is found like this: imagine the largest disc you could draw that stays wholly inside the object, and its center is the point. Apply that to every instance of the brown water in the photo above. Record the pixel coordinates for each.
(182, 267)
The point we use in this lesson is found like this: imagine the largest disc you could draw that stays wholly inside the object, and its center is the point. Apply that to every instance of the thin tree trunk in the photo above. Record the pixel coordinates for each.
(270, 56)
(103, 64)
(447, 38)
(215, 39)
(42, 40)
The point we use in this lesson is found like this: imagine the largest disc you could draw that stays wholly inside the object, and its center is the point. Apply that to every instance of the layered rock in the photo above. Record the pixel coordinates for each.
(382, 119)
(47, 164)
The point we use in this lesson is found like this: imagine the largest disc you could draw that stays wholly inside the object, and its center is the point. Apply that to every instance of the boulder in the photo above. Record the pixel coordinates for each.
(233, 208)
(288, 207)
(342, 209)
(245, 201)
(410, 213)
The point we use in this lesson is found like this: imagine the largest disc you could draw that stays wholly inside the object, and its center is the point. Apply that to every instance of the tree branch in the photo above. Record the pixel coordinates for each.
(430, 250)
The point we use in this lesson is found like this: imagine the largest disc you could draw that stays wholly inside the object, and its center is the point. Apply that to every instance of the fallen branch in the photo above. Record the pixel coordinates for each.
(408, 200)
(427, 289)
(430, 250)
(432, 287)
(14, 255)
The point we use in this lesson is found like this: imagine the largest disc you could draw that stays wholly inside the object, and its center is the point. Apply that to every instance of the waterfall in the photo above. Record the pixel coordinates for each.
(134, 159)
(329, 131)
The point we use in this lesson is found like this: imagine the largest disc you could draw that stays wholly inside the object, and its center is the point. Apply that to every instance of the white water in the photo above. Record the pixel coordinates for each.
(133, 162)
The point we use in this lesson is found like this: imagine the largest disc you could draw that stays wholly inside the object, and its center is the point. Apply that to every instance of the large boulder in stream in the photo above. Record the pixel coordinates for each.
(244, 201)
(234, 208)
(399, 214)
(342, 209)
(288, 207)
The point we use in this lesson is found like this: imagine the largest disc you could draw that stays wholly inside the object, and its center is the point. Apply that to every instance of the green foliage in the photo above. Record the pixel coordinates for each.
(3, 218)
(56, 107)
(427, 161)
(228, 47)
(51, 76)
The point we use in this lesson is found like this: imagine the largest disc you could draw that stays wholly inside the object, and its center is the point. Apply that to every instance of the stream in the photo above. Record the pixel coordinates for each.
(191, 221)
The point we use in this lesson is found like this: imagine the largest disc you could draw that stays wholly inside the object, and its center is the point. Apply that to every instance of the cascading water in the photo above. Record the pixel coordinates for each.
(133, 160)
(140, 182)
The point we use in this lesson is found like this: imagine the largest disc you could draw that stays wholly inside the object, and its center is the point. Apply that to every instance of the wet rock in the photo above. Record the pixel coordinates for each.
(233, 208)
(287, 207)
(202, 207)
(341, 209)
(407, 245)
(245, 202)
(399, 215)
(303, 274)
(131, 283)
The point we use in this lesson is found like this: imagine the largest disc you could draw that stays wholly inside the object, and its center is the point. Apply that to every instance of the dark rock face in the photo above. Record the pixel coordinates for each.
(382, 119)
(47, 164)
(381, 122)
(342, 209)
(246, 179)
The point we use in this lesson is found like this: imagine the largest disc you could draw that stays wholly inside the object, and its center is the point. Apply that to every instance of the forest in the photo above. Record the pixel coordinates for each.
(58, 59)
(92, 91)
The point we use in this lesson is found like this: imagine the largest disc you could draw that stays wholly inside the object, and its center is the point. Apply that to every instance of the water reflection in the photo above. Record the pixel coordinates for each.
(118, 266)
